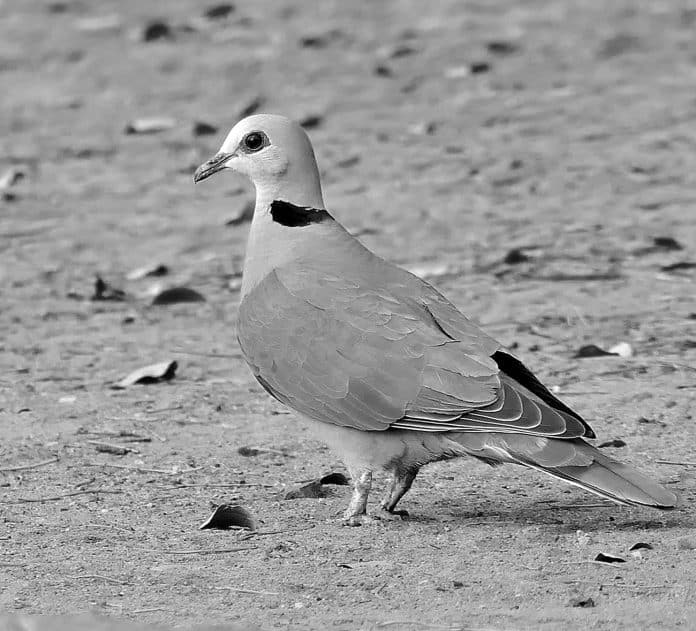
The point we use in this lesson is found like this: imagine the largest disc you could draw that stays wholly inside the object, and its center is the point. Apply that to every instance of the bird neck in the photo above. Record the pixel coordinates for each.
(283, 233)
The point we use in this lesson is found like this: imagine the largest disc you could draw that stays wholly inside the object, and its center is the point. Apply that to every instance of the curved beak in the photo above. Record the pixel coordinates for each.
(208, 168)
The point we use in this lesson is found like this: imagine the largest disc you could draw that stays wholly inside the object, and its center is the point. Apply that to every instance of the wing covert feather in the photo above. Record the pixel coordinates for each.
(382, 354)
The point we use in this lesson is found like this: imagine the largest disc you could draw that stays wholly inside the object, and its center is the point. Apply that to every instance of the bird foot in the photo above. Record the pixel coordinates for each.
(393, 515)
(359, 520)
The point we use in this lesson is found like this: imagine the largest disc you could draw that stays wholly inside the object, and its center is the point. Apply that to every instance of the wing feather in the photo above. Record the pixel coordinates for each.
(389, 353)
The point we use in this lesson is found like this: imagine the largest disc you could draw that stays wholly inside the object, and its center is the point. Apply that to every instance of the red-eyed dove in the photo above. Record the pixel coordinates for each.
(386, 370)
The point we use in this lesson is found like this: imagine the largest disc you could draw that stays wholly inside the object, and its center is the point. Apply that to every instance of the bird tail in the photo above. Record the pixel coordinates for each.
(574, 461)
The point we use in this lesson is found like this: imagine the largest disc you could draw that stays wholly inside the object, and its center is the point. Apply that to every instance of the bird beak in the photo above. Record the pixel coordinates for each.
(208, 168)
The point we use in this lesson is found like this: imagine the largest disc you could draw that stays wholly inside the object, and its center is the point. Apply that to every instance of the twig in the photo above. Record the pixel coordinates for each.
(54, 498)
(676, 463)
(171, 408)
(13, 564)
(245, 591)
(118, 450)
(141, 469)
(617, 585)
(108, 579)
(149, 610)
(215, 486)
(35, 465)
(211, 551)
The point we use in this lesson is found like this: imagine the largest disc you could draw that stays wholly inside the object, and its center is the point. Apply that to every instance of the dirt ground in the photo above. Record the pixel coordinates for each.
(448, 134)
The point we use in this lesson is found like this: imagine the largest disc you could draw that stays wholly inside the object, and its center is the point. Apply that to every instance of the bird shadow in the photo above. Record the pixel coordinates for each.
(587, 517)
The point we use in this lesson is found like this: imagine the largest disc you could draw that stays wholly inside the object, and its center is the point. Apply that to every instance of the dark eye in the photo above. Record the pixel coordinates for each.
(254, 141)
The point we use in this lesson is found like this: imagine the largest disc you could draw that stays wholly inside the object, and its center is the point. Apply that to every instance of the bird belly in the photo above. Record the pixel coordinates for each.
(399, 450)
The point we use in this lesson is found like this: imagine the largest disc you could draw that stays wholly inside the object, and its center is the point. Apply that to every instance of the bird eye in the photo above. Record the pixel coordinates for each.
(255, 141)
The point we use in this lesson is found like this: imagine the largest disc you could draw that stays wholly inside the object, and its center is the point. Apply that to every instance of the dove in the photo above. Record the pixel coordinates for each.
(383, 368)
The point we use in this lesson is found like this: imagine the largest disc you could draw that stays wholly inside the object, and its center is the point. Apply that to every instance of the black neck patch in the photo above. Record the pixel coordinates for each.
(287, 214)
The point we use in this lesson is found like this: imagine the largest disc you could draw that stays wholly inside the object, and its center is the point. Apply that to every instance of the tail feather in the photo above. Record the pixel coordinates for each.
(574, 461)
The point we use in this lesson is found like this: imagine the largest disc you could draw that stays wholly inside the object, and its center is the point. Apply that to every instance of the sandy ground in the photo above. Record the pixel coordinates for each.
(573, 139)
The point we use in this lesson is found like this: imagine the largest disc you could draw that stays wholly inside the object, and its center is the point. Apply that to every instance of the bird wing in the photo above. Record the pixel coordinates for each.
(388, 353)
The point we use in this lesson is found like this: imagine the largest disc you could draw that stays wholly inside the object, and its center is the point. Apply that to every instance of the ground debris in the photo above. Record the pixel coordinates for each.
(603, 557)
(591, 350)
(153, 373)
(157, 30)
(226, 516)
(150, 125)
(218, 11)
(148, 271)
(615, 442)
(584, 602)
(105, 291)
(176, 295)
(317, 488)
(245, 215)
(109, 448)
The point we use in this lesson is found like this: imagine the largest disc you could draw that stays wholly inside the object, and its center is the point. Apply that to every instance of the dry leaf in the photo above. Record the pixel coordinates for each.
(177, 295)
(104, 291)
(150, 125)
(154, 373)
(609, 558)
(148, 270)
(226, 516)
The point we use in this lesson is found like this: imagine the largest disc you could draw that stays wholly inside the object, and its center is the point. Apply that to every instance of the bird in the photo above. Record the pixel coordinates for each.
(382, 367)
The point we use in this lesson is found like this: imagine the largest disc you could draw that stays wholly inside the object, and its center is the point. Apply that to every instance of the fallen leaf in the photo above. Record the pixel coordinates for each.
(154, 373)
(201, 128)
(582, 602)
(148, 270)
(335, 478)
(246, 214)
(252, 106)
(675, 267)
(479, 67)
(667, 243)
(150, 125)
(226, 516)
(635, 549)
(314, 489)
(249, 451)
(312, 121)
(108, 448)
(515, 256)
(218, 11)
(591, 350)
(616, 442)
(499, 47)
(608, 558)
(156, 30)
(11, 176)
(622, 349)
(104, 291)
(177, 295)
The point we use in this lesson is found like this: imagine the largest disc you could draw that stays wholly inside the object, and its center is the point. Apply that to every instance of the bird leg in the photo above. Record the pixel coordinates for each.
(357, 509)
(400, 484)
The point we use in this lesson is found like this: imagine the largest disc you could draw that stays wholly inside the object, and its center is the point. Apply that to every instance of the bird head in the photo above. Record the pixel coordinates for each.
(276, 154)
